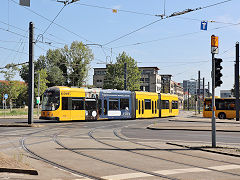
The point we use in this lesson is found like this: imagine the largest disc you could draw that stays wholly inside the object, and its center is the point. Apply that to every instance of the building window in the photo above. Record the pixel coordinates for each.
(146, 80)
(146, 88)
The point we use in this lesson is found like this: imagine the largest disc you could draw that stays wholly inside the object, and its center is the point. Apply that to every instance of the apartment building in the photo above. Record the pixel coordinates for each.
(150, 79)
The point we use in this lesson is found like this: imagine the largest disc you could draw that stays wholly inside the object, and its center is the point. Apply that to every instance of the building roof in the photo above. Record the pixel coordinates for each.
(150, 67)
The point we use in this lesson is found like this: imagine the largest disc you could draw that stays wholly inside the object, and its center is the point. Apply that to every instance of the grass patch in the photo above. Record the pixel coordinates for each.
(16, 112)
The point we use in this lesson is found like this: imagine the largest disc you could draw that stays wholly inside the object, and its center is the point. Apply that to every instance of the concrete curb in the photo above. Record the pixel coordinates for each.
(205, 150)
(188, 129)
(20, 171)
(20, 125)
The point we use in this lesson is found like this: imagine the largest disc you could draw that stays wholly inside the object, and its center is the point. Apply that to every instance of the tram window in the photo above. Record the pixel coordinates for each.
(147, 103)
(136, 104)
(124, 104)
(65, 103)
(155, 107)
(139, 107)
(77, 104)
(142, 108)
(90, 104)
(105, 107)
(152, 108)
(174, 105)
(100, 106)
(165, 104)
(113, 104)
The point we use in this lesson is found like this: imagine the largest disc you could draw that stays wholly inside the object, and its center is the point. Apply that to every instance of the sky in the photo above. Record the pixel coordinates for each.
(176, 45)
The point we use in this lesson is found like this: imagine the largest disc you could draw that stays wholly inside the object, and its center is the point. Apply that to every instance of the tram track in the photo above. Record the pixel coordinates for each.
(55, 164)
(111, 162)
(156, 148)
(159, 158)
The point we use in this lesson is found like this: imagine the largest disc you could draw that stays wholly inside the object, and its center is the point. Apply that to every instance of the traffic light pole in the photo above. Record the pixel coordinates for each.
(213, 104)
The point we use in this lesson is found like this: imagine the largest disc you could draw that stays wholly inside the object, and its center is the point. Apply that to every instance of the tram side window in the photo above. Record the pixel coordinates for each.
(100, 106)
(105, 107)
(165, 104)
(174, 104)
(77, 104)
(65, 103)
(147, 103)
(113, 104)
(90, 104)
(124, 104)
(152, 108)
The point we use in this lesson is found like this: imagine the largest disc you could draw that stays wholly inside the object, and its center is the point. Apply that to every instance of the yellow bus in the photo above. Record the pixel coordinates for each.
(225, 108)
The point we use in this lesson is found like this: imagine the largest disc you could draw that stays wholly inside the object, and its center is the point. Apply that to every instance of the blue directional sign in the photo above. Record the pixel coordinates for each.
(204, 25)
(5, 96)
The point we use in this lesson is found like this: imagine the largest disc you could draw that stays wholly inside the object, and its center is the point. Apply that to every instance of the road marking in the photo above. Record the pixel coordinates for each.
(172, 171)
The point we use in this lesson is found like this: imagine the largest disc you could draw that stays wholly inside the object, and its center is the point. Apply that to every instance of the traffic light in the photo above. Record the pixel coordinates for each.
(218, 73)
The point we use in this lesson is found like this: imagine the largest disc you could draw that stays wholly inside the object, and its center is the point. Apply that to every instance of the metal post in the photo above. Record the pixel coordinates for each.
(38, 91)
(31, 75)
(237, 81)
(208, 89)
(213, 104)
(188, 100)
(203, 95)
(199, 88)
(125, 76)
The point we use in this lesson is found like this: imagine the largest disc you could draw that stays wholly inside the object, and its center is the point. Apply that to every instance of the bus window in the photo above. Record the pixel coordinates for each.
(105, 107)
(152, 108)
(77, 104)
(147, 103)
(113, 104)
(208, 106)
(124, 104)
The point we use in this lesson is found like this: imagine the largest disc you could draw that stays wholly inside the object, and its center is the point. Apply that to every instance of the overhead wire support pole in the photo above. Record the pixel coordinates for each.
(199, 89)
(237, 81)
(31, 74)
(125, 76)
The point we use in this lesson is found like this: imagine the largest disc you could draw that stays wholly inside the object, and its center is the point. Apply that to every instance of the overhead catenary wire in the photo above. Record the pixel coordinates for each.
(166, 17)
(175, 36)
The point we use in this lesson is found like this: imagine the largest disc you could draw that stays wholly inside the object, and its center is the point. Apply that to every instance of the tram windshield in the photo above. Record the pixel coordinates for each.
(51, 100)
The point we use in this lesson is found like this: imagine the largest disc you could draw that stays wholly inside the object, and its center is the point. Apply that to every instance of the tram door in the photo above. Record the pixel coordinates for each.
(105, 107)
(170, 107)
(139, 108)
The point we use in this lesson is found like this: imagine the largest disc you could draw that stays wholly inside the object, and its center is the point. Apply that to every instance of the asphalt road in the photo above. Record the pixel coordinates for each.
(115, 150)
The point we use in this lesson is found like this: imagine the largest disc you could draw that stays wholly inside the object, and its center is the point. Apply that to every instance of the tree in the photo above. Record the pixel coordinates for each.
(115, 74)
(64, 66)
(43, 82)
(79, 57)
